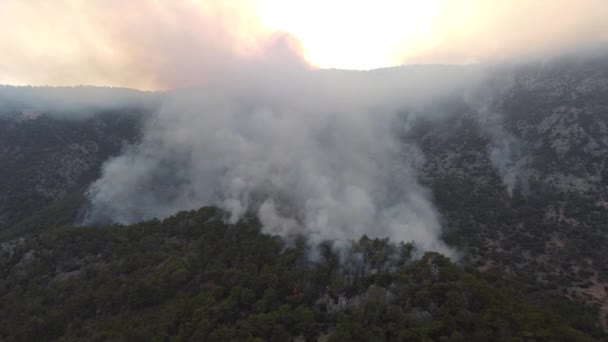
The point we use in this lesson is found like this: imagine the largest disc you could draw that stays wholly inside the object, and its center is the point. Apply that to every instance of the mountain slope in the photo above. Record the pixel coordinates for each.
(43, 158)
(544, 138)
(193, 277)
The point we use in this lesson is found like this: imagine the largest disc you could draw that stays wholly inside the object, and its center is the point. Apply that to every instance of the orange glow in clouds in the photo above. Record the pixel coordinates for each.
(152, 44)
(355, 34)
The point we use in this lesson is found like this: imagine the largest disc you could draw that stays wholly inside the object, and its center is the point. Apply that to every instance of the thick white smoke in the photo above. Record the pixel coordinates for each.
(318, 153)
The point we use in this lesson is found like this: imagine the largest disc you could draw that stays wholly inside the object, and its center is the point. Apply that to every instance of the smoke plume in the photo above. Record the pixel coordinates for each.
(506, 152)
(314, 153)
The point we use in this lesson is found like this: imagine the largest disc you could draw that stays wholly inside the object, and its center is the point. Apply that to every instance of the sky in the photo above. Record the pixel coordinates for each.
(155, 44)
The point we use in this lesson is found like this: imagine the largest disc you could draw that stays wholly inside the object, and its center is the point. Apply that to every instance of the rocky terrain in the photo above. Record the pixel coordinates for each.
(528, 196)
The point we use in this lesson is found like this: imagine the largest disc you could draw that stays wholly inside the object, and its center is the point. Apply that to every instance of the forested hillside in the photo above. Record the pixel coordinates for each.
(194, 277)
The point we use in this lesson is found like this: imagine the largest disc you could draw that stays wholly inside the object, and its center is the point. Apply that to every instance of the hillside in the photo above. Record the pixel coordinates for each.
(550, 129)
(517, 171)
(193, 277)
(45, 159)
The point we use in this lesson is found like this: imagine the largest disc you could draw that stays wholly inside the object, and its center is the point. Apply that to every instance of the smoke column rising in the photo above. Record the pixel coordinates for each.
(314, 153)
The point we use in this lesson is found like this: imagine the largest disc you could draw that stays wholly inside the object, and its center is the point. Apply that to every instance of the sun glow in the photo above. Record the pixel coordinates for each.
(355, 34)
(156, 44)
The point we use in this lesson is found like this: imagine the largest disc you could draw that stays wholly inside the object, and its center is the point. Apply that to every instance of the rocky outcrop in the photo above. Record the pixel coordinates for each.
(333, 304)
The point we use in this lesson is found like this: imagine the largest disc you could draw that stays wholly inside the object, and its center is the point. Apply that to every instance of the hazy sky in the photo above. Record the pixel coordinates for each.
(155, 44)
